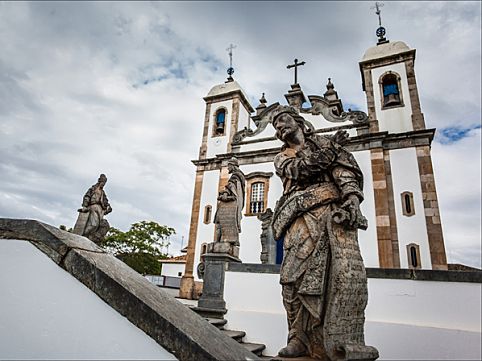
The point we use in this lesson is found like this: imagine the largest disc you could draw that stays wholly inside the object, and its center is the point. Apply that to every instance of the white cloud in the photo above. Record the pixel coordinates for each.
(117, 87)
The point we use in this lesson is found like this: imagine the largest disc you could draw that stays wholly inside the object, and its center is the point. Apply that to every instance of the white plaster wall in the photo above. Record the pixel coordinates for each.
(368, 239)
(254, 305)
(205, 232)
(395, 120)
(217, 145)
(261, 145)
(173, 269)
(413, 229)
(46, 314)
(406, 319)
(243, 117)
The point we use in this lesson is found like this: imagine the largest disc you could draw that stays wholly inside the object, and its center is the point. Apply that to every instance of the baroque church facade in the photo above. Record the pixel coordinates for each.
(390, 143)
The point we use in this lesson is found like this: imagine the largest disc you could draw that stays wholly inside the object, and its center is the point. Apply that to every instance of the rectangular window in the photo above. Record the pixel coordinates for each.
(257, 198)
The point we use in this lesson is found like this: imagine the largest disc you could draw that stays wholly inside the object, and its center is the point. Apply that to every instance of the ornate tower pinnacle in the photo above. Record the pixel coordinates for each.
(262, 104)
(381, 31)
(230, 69)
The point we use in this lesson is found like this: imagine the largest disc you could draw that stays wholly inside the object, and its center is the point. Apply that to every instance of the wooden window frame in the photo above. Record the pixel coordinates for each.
(252, 178)
(400, 93)
(214, 133)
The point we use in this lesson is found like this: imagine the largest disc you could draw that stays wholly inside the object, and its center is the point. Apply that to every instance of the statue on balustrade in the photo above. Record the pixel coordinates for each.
(95, 205)
(324, 284)
(227, 218)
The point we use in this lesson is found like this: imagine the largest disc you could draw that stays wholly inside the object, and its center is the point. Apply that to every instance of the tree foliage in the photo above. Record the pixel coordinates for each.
(141, 247)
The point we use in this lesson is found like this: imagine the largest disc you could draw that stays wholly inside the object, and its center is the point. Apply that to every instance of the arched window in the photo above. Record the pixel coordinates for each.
(256, 204)
(391, 90)
(219, 122)
(207, 214)
(413, 253)
(408, 207)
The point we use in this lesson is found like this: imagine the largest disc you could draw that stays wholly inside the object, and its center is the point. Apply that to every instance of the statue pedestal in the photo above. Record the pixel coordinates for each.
(223, 248)
(211, 303)
(226, 220)
(81, 223)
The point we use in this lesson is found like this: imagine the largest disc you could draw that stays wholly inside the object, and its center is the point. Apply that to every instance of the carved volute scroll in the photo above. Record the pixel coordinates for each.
(319, 106)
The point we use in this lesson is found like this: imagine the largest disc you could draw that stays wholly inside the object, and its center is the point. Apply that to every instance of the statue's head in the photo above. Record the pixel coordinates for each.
(233, 164)
(287, 121)
(102, 180)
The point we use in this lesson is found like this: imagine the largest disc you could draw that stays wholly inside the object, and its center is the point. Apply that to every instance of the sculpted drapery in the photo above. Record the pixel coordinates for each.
(227, 218)
(323, 279)
(95, 206)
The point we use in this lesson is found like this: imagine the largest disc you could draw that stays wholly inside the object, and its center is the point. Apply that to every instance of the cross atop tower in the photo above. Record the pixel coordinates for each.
(230, 53)
(381, 30)
(296, 65)
(378, 12)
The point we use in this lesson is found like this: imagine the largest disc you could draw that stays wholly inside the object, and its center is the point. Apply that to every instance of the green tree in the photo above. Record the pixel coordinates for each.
(141, 247)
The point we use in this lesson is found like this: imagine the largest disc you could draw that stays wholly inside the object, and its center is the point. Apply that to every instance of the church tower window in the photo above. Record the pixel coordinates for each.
(390, 89)
(413, 253)
(219, 122)
(207, 214)
(408, 207)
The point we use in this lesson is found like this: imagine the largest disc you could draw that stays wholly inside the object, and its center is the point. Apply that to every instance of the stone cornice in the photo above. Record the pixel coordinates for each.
(383, 140)
(384, 273)
(389, 59)
(258, 174)
(230, 95)
(383, 61)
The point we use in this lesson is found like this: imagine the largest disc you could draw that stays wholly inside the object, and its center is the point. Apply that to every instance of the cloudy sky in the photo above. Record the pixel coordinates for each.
(117, 87)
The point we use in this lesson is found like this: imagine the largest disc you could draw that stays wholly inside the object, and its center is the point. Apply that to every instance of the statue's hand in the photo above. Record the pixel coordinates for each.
(83, 210)
(352, 206)
(341, 137)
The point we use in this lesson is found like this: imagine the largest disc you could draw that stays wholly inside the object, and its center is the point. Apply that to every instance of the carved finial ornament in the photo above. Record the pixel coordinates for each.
(263, 99)
(330, 88)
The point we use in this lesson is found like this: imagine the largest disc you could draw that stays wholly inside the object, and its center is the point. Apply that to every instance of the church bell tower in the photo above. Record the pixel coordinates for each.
(408, 223)
(227, 111)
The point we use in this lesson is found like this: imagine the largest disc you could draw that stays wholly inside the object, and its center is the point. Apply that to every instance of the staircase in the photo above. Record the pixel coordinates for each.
(256, 348)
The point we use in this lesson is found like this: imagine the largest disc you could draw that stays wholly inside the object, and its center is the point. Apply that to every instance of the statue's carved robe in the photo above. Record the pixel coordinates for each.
(322, 274)
(236, 186)
(232, 200)
(98, 204)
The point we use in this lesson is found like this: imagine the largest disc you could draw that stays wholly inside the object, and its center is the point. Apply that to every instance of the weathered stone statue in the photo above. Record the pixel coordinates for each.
(230, 205)
(323, 278)
(95, 206)
(268, 244)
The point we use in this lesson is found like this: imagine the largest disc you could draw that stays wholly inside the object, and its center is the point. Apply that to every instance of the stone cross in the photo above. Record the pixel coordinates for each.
(296, 65)
(230, 53)
(378, 12)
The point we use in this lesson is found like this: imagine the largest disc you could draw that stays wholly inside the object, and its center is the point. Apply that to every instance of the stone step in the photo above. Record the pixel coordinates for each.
(256, 348)
(236, 335)
(218, 322)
